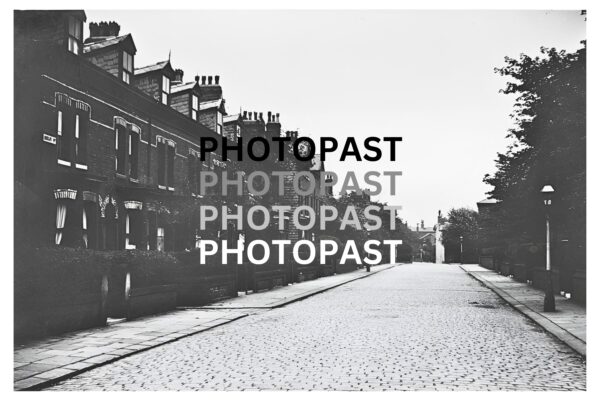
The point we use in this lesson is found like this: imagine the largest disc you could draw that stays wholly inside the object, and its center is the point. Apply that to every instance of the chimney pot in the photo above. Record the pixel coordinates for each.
(178, 75)
(197, 78)
(277, 119)
(269, 116)
(210, 80)
(245, 114)
(217, 78)
(203, 80)
(260, 116)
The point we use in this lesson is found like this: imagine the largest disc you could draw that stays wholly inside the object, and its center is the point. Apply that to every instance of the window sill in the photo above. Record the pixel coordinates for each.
(120, 175)
(162, 187)
(63, 162)
(134, 180)
(171, 189)
(81, 166)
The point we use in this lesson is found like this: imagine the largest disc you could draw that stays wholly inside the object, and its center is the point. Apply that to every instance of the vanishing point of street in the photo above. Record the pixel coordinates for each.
(412, 327)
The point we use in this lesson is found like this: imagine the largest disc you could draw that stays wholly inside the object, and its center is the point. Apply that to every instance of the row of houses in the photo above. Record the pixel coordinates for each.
(107, 151)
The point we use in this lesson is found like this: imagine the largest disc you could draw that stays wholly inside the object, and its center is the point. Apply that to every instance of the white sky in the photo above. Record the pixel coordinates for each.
(424, 75)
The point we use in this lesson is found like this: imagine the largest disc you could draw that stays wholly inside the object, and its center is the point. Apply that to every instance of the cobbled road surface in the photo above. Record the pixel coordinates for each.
(413, 327)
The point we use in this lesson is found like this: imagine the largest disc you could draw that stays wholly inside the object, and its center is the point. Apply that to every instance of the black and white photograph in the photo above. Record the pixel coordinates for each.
(270, 197)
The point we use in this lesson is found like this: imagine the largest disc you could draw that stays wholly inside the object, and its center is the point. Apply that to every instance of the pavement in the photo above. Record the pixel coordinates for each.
(41, 363)
(413, 327)
(567, 323)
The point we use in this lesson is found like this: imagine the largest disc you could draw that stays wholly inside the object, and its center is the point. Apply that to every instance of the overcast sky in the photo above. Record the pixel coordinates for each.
(424, 75)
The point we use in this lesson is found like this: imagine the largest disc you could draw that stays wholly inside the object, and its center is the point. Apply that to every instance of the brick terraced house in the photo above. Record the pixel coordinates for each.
(107, 152)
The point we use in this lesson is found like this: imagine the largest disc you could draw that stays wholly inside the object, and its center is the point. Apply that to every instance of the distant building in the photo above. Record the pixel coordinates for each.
(425, 236)
(440, 252)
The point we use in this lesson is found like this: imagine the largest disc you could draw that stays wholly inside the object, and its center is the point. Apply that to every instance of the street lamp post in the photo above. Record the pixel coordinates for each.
(549, 304)
(461, 249)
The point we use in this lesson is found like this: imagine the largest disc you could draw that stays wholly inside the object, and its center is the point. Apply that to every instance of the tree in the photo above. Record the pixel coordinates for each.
(461, 222)
(549, 147)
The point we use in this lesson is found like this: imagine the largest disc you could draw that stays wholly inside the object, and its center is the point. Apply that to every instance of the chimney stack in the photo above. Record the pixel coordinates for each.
(104, 29)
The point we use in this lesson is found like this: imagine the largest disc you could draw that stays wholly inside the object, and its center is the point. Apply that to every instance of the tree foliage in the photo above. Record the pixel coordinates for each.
(549, 147)
(461, 222)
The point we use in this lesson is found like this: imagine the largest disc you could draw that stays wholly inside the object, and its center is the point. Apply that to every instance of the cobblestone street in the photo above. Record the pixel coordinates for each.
(413, 327)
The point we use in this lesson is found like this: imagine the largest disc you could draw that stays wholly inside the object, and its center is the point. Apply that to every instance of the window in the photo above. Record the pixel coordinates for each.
(71, 132)
(160, 239)
(121, 148)
(64, 139)
(171, 166)
(134, 229)
(134, 142)
(81, 133)
(90, 224)
(238, 131)
(127, 67)
(74, 37)
(166, 89)
(195, 107)
(192, 174)
(161, 148)
(166, 164)
(219, 123)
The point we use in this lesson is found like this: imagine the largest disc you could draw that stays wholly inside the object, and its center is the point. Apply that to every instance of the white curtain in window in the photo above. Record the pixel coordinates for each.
(61, 216)
(84, 225)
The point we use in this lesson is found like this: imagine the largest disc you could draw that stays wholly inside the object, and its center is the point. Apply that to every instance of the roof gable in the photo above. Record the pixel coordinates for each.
(125, 41)
(164, 66)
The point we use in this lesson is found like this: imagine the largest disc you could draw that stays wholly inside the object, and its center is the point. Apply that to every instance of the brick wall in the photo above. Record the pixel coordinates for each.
(208, 118)
(107, 60)
(181, 102)
(149, 84)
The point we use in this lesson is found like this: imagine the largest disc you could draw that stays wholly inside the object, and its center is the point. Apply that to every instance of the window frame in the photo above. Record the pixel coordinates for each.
(196, 107)
(134, 154)
(165, 90)
(220, 130)
(75, 35)
(121, 148)
(126, 66)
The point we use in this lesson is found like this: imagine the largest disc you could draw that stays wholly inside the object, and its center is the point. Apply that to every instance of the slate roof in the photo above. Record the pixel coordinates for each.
(182, 86)
(205, 105)
(231, 118)
(109, 41)
(154, 67)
